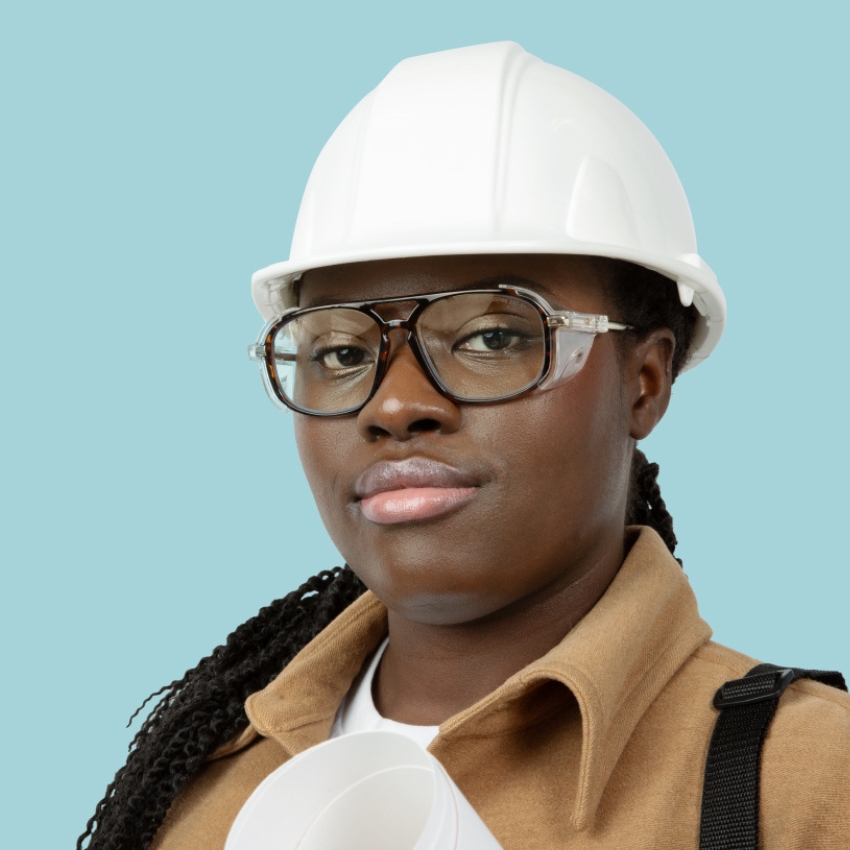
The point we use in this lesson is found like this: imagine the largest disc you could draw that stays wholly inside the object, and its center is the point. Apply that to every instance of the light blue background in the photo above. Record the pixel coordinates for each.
(154, 156)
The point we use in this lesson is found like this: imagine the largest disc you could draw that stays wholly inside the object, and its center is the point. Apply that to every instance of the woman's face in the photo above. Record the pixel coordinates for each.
(521, 498)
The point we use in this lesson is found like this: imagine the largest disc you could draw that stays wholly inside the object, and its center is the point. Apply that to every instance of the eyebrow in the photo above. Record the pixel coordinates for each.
(492, 282)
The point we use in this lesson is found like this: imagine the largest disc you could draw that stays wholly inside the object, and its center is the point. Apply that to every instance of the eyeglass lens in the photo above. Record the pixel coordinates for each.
(479, 346)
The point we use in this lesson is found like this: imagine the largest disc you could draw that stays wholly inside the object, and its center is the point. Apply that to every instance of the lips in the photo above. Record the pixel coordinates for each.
(416, 488)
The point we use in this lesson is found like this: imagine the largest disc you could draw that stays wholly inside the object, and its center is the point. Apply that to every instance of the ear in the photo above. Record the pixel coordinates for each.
(649, 379)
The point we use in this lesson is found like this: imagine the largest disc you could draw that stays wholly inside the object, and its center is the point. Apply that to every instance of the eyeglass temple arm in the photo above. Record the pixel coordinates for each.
(588, 323)
(256, 352)
(584, 323)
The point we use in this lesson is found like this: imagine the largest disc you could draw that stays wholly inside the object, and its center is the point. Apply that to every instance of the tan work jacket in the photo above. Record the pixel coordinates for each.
(601, 743)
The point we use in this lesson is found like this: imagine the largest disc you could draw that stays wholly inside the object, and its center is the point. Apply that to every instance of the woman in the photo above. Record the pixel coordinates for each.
(492, 286)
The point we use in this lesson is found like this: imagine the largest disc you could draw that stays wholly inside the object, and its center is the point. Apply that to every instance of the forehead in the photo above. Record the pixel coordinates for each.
(575, 283)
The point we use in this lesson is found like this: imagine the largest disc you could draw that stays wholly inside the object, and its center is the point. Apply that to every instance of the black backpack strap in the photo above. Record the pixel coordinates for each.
(730, 794)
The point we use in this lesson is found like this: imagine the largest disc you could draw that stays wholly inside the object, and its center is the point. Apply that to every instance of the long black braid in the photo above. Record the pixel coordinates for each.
(205, 708)
(646, 507)
(199, 712)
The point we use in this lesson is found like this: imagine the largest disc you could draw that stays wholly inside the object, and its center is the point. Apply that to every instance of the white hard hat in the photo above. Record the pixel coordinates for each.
(489, 150)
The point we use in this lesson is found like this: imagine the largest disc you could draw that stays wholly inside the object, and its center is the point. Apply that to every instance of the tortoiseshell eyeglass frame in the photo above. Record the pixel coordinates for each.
(262, 350)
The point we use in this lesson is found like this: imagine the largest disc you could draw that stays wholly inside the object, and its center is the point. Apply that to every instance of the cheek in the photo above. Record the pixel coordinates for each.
(563, 460)
(321, 448)
(581, 462)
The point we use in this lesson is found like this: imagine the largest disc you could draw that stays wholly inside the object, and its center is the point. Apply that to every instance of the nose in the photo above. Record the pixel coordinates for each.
(406, 404)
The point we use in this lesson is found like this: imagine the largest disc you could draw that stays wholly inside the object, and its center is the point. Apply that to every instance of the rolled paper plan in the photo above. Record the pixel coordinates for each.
(362, 791)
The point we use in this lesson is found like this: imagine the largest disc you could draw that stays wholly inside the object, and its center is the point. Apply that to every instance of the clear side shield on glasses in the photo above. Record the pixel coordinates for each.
(570, 349)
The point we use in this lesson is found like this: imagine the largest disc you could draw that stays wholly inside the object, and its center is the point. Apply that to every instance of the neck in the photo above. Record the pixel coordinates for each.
(432, 672)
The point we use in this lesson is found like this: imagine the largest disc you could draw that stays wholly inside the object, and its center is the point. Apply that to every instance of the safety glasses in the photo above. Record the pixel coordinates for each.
(475, 346)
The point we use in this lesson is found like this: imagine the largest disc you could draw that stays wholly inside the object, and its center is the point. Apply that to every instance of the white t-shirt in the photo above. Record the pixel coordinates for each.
(357, 713)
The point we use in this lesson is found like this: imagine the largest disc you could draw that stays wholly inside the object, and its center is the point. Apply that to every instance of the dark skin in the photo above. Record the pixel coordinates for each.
(478, 593)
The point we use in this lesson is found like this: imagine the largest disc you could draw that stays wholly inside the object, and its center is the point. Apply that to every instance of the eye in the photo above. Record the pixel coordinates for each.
(340, 357)
(492, 339)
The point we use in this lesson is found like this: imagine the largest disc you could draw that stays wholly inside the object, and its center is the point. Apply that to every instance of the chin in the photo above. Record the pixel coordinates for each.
(439, 608)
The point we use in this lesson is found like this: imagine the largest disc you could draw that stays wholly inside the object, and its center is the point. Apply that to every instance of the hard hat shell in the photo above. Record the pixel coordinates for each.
(489, 150)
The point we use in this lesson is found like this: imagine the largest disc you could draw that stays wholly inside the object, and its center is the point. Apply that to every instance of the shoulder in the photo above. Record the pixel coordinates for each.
(717, 664)
(805, 764)
(808, 711)
(804, 703)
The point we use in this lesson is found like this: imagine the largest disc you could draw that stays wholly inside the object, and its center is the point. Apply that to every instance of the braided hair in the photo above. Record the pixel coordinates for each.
(199, 712)
(203, 709)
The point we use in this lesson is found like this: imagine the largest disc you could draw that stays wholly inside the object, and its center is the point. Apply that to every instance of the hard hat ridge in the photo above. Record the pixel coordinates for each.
(488, 150)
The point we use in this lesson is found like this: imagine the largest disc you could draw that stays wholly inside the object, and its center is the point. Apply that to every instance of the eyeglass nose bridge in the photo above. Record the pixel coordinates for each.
(407, 325)
(397, 324)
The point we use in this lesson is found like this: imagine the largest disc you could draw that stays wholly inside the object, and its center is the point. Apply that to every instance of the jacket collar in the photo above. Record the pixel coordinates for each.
(615, 662)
